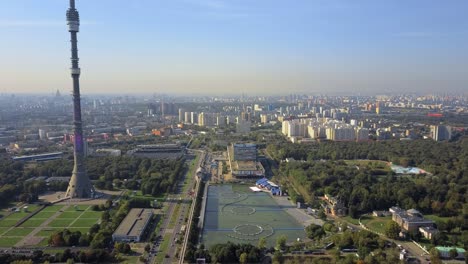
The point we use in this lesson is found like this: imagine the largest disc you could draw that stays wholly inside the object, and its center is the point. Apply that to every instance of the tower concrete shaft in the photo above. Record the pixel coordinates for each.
(80, 186)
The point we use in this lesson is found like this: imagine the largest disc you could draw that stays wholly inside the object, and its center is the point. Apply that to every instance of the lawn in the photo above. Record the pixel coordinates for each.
(377, 224)
(3, 229)
(44, 214)
(129, 259)
(18, 231)
(351, 220)
(44, 242)
(59, 223)
(83, 230)
(33, 222)
(73, 215)
(9, 241)
(52, 208)
(436, 218)
(91, 214)
(84, 222)
(8, 223)
(74, 220)
(78, 208)
(46, 232)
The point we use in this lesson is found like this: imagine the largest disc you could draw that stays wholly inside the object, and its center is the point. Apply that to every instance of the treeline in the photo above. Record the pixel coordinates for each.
(151, 176)
(192, 253)
(362, 190)
(230, 253)
(85, 256)
(435, 157)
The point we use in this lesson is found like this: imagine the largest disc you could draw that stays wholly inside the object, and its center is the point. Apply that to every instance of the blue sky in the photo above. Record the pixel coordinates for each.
(235, 46)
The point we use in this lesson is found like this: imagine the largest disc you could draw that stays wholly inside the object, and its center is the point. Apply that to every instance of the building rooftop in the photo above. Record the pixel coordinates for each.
(411, 215)
(447, 249)
(134, 222)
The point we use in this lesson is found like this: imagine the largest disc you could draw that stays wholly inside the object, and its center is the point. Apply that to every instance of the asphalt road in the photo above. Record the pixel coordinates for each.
(184, 199)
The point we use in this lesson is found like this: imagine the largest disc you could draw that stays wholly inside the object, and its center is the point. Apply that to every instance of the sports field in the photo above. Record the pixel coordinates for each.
(36, 230)
(234, 213)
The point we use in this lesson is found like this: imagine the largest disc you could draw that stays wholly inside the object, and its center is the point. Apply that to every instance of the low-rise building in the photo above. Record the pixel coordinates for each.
(159, 151)
(334, 206)
(133, 226)
(39, 157)
(445, 252)
(428, 231)
(410, 220)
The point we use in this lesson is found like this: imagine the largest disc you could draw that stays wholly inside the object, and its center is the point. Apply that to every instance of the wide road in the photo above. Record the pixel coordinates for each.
(179, 205)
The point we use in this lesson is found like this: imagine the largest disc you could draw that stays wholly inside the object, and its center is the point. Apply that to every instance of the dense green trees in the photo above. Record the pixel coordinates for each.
(235, 253)
(367, 188)
(123, 248)
(392, 230)
(151, 176)
(87, 256)
(314, 231)
(66, 238)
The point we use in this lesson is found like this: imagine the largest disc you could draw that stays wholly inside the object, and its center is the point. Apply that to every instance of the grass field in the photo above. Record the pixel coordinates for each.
(43, 214)
(9, 241)
(18, 231)
(377, 224)
(70, 215)
(80, 219)
(33, 222)
(84, 222)
(8, 222)
(130, 259)
(3, 230)
(59, 223)
(436, 218)
(52, 208)
(351, 220)
(234, 213)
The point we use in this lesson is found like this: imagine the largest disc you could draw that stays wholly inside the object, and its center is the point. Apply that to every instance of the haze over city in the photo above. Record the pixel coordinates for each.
(230, 47)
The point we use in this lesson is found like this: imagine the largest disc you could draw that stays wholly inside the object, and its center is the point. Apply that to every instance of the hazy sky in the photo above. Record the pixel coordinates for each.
(235, 46)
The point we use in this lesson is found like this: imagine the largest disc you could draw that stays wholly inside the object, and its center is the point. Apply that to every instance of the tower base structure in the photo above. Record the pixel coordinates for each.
(80, 187)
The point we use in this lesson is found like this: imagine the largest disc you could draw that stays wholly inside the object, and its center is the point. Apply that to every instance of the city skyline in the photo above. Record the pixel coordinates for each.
(233, 47)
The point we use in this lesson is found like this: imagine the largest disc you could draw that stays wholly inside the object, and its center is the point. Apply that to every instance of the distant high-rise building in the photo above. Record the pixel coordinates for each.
(151, 110)
(42, 134)
(362, 134)
(264, 118)
(441, 133)
(187, 118)
(181, 114)
(194, 117)
(80, 186)
(220, 120)
(201, 119)
(245, 116)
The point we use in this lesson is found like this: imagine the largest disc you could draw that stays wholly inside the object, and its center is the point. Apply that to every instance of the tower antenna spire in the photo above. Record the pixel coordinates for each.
(80, 186)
